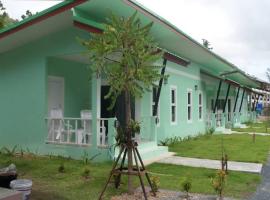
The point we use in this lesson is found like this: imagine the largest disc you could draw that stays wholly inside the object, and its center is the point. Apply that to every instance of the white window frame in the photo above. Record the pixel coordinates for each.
(189, 105)
(200, 106)
(173, 88)
(152, 103)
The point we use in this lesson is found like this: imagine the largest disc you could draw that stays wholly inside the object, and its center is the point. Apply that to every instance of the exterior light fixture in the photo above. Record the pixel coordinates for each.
(165, 80)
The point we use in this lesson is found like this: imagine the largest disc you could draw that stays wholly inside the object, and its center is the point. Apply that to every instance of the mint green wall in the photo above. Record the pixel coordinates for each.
(183, 78)
(77, 84)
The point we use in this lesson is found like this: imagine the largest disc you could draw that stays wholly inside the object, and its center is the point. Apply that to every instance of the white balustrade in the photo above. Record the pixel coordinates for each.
(75, 131)
(102, 132)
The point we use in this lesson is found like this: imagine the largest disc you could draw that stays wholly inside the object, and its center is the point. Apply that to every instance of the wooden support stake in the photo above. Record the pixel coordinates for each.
(136, 171)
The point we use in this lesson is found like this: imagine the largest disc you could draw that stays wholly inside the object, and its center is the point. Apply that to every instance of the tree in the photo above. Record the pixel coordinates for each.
(207, 44)
(27, 14)
(126, 54)
(3, 16)
(5, 20)
(268, 74)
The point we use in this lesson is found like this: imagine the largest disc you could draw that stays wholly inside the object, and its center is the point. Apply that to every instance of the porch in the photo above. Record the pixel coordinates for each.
(77, 111)
(221, 121)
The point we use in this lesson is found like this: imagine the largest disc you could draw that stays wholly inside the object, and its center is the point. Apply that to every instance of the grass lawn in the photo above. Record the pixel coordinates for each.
(238, 184)
(263, 127)
(238, 147)
(48, 183)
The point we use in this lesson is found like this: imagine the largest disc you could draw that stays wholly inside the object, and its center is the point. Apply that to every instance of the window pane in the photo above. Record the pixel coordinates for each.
(189, 113)
(154, 93)
(173, 96)
(200, 112)
(200, 99)
(153, 106)
(173, 114)
(189, 98)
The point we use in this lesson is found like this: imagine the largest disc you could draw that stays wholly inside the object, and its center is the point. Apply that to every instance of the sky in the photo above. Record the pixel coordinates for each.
(238, 30)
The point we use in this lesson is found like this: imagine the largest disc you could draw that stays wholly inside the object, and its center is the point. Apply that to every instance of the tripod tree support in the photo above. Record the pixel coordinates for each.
(137, 170)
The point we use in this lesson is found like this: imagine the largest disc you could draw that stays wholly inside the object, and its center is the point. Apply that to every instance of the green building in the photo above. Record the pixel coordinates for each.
(51, 104)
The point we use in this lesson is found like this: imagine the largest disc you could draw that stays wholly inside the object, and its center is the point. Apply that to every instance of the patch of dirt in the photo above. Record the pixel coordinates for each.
(165, 195)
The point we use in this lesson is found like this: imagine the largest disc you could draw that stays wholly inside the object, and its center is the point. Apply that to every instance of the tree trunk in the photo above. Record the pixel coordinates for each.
(129, 139)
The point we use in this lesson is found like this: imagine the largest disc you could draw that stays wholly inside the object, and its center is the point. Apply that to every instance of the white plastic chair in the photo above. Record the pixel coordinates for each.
(84, 134)
(57, 126)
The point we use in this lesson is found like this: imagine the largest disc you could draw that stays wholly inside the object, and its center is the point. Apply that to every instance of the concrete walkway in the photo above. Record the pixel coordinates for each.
(263, 190)
(212, 164)
(250, 133)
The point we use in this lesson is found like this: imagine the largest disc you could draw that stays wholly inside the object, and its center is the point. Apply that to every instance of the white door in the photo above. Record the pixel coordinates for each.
(55, 93)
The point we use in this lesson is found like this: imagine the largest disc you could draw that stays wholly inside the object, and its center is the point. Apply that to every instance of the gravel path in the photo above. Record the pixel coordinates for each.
(263, 190)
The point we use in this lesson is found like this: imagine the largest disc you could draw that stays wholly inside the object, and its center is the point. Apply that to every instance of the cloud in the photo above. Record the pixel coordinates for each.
(238, 30)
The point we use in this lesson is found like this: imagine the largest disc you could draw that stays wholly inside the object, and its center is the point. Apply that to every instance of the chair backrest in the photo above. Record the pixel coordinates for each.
(56, 114)
(86, 116)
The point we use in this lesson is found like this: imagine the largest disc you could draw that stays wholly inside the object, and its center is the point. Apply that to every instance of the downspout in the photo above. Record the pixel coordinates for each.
(235, 103)
(242, 100)
(159, 87)
(218, 92)
(226, 99)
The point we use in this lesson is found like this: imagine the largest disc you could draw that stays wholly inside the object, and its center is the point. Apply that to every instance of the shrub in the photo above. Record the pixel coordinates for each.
(186, 186)
(86, 173)
(170, 141)
(9, 152)
(86, 157)
(210, 131)
(218, 183)
(61, 168)
(155, 180)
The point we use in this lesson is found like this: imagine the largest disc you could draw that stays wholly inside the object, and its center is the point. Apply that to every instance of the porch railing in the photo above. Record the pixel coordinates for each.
(76, 131)
(105, 131)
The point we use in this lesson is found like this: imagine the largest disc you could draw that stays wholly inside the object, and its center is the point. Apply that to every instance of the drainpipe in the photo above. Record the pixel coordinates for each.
(242, 100)
(218, 92)
(159, 87)
(235, 103)
(226, 99)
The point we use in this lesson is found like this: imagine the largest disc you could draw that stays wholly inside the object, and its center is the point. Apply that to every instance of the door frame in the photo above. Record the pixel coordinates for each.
(59, 79)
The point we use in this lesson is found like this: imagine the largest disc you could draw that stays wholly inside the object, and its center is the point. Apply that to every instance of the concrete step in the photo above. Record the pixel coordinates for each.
(150, 152)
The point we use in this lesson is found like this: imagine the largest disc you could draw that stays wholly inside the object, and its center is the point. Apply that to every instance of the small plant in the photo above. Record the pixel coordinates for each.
(186, 186)
(170, 141)
(135, 127)
(210, 131)
(165, 142)
(86, 157)
(219, 182)
(117, 180)
(86, 173)
(61, 168)
(155, 180)
(9, 152)
(22, 152)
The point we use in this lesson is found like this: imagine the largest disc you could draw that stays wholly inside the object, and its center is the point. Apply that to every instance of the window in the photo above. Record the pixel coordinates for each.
(173, 104)
(200, 106)
(153, 102)
(189, 105)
